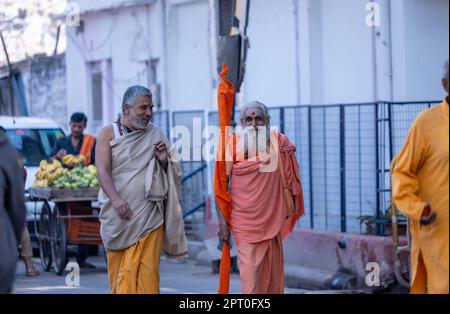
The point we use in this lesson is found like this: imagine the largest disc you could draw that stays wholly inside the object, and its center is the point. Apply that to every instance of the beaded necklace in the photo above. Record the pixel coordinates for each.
(123, 129)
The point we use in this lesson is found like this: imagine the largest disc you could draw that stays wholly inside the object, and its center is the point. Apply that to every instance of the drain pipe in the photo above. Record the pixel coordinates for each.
(374, 62)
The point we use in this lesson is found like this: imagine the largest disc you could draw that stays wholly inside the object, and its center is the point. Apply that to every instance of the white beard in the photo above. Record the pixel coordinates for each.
(256, 139)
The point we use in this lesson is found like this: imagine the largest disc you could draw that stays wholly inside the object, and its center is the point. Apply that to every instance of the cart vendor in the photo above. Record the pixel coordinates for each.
(78, 143)
(140, 214)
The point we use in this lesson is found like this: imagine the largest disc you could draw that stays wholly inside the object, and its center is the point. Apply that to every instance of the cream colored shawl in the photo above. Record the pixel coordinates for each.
(151, 192)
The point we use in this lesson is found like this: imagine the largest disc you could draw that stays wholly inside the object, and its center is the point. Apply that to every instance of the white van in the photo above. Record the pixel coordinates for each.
(35, 139)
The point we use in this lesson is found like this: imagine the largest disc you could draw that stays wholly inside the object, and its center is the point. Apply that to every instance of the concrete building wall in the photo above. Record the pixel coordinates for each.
(271, 66)
(426, 39)
(44, 81)
(325, 52)
(125, 46)
(189, 82)
(420, 31)
(343, 71)
(301, 52)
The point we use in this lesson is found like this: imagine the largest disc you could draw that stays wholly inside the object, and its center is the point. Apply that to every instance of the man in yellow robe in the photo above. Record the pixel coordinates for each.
(421, 192)
(140, 214)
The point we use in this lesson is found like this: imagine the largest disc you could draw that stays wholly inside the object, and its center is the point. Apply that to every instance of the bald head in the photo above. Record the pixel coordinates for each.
(445, 76)
(254, 114)
(445, 71)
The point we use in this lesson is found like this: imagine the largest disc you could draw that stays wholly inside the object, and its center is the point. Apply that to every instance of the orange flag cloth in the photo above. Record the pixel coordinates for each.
(225, 93)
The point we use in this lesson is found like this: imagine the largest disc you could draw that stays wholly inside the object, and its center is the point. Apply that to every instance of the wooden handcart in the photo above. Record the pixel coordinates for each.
(71, 221)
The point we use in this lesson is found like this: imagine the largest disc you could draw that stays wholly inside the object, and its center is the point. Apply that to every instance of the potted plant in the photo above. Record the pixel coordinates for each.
(369, 221)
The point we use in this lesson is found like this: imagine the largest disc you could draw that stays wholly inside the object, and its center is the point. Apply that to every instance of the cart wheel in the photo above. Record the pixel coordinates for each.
(59, 247)
(43, 237)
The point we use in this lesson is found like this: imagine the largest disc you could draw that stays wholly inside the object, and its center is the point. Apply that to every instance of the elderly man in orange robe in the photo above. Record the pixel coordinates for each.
(266, 199)
(420, 191)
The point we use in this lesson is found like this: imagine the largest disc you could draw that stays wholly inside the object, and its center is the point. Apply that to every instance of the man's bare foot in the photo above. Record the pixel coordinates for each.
(31, 271)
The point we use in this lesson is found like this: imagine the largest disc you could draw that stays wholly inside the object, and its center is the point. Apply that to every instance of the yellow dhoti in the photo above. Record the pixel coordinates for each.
(134, 246)
(136, 269)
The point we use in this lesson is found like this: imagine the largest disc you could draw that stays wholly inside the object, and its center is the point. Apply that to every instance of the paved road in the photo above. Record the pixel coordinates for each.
(176, 277)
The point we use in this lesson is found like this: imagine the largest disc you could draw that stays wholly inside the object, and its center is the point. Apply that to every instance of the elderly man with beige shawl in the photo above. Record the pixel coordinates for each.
(140, 214)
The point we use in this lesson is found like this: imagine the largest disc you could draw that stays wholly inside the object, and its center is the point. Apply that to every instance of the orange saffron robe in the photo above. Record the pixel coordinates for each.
(421, 176)
(259, 217)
